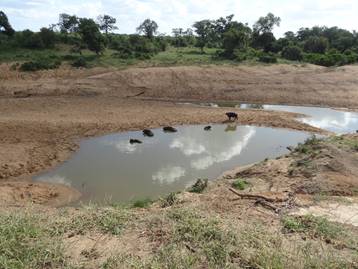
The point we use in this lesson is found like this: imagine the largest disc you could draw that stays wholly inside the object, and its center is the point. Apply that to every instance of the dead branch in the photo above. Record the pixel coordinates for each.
(257, 196)
(267, 205)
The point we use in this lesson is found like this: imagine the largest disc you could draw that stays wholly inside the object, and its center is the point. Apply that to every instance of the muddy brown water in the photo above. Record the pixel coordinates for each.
(109, 167)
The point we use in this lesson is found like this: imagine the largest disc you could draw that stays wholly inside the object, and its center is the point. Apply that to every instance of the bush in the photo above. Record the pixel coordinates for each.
(245, 54)
(330, 59)
(292, 53)
(79, 62)
(39, 65)
(199, 186)
(267, 58)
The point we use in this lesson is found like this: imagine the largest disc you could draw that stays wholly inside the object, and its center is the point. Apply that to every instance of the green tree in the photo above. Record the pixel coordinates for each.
(5, 26)
(203, 29)
(236, 37)
(30, 40)
(48, 37)
(315, 44)
(266, 24)
(107, 23)
(68, 23)
(292, 53)
(263, 36)
(91, 36)
(149, 28)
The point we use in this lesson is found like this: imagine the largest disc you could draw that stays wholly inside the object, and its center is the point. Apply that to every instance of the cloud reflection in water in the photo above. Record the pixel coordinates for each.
(169, 174)
(188, 146)
(207, 161)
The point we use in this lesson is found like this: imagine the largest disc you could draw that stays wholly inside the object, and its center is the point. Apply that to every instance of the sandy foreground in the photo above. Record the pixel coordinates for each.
(43, 115)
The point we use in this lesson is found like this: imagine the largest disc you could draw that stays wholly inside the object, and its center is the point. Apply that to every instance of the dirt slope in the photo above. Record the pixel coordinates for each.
(277, 84)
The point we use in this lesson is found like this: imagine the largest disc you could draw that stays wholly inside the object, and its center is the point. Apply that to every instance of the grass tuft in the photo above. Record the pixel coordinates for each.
(240, 184)
(169, 200)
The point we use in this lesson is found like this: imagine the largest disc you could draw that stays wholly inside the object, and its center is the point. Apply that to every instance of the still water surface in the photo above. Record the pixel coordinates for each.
(110, 167)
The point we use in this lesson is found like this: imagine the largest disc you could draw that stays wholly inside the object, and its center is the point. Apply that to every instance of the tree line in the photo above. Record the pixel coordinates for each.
(233, 40)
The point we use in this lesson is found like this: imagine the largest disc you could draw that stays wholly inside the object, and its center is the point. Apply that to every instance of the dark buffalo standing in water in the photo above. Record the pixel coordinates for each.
(147, 132)
(232, 115)
(169, 129)
(135, 141)
(207, 128)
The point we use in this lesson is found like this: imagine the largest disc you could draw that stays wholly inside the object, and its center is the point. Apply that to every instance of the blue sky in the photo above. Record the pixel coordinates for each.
(34, 14)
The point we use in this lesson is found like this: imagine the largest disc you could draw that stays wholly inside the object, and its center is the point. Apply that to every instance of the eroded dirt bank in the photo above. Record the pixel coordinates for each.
(42, 115)
(275, 84)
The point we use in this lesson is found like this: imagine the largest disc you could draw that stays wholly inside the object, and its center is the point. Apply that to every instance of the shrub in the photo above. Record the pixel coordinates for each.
(42, 64)
(245, 54)
(268, 58)
(199, 186)
(80, 62)
(292, 53)
(330, 59)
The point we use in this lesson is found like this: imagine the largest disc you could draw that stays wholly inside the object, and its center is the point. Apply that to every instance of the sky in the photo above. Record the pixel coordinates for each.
(169, 14)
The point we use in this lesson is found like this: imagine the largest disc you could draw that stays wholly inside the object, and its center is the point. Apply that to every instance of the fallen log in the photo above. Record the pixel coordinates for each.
(259, 196)
(267, 205)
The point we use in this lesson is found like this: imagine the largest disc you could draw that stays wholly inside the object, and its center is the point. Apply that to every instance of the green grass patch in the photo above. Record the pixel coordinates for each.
(142, 203)
(203, 236)
(341, 141)
(25, 243)
(240, 184)
(320, 227)
(108, 220)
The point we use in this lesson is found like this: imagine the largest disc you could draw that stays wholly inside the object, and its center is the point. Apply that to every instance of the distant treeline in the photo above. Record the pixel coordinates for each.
(232, 39)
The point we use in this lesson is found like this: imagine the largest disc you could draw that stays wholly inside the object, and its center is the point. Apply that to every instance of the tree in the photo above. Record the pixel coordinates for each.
(316, 44)
(220, 26)
(5, 26)
(107, 23)
(263, 41)
(48, 37)
(183, 38)
(204, 30)
(266, 24)
(29, 39)
(292, 53)
(68, 23)
(263, 36)
(236, 38)
(148, 27)
(91, 35)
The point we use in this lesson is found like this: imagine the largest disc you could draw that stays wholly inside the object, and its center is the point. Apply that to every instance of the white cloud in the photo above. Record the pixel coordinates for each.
(169, 14)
